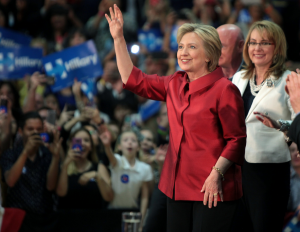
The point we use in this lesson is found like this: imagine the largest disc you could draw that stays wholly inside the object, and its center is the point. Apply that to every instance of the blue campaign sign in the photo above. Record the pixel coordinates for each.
(173, 39)
(9, 38)
(15, 63)
(152, 39)
(88, 87)
(81, 62)
(149, 109)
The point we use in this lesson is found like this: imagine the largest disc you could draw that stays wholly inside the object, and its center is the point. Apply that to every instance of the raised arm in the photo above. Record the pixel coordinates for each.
(105, 137)
(104, 183)
(62, 186)
(55, 148)
(116, 23)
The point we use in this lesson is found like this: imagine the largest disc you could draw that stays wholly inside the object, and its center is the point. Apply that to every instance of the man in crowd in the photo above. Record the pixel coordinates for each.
(294, 200)
(293, 89)
(232, 40)
(31, 172)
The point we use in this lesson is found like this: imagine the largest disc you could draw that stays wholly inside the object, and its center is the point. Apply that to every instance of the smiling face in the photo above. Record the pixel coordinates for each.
(129, 144)
(86, 143)
(147, 143)
(261, 56)
(191, 54)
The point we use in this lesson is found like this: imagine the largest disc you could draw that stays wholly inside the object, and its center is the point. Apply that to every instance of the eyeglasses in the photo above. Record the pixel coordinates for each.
(262, 44)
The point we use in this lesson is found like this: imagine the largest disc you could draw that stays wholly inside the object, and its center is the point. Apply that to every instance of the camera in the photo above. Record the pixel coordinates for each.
(47, 137)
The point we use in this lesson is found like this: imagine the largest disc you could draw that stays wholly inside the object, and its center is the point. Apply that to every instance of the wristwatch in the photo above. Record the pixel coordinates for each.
(284, 125)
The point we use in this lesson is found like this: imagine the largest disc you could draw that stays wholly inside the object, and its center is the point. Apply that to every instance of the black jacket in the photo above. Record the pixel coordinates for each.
(294, 131)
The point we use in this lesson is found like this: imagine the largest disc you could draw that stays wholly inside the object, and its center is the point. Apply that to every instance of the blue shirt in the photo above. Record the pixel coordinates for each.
(30, 192)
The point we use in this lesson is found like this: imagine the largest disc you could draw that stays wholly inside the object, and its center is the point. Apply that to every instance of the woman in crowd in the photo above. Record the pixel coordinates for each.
(130, 177)
(207, 128)
(266, 170)
(83, 182)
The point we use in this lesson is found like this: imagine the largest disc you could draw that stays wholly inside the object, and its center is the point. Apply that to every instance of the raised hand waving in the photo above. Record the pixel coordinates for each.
(115, 22)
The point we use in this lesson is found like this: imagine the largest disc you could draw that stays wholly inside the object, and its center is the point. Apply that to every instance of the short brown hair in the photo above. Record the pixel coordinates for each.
(210, 38)
(276, 35)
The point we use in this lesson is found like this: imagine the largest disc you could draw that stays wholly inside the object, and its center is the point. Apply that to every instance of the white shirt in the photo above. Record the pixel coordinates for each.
(127, 182)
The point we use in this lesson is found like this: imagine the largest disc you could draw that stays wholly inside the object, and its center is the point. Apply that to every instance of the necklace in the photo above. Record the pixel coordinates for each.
(255, 88)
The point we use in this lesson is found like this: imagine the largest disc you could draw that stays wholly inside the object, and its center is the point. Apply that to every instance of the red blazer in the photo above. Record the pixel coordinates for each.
(207, 120)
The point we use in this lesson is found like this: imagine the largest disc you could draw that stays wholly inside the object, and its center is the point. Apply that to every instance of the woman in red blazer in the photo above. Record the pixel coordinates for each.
(207, 128)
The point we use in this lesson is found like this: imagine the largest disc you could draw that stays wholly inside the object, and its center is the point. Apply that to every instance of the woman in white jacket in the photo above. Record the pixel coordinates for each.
(266, 169)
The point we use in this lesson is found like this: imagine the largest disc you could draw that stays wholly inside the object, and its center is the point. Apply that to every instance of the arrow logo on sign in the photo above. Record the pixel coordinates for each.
(58, 70)
(7, 62)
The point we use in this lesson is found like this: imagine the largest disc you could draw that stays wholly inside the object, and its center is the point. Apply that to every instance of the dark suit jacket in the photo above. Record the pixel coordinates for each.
(294, 131)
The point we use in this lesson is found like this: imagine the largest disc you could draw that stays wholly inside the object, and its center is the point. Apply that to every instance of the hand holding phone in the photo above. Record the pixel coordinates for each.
(47, 137)
(3, 106)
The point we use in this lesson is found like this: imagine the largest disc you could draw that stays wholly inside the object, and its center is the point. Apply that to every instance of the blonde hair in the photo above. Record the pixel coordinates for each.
(275, 35)
(92, 156)
(210, 39)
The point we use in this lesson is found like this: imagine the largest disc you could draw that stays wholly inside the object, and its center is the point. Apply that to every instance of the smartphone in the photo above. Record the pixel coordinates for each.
(77, 145)
(50, 80)
(47, 137)
(51, 117)
(3, 105)
(71, 107)
(91, 104)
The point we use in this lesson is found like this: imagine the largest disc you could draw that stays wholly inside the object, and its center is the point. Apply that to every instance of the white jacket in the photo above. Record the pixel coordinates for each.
(264, 144)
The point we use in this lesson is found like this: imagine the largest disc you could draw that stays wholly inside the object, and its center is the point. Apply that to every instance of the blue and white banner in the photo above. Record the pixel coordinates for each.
(173, 39)
(152, 39)
(149, 109)
(15, 63)
(80, 62)
(9, 38)
(89, 87)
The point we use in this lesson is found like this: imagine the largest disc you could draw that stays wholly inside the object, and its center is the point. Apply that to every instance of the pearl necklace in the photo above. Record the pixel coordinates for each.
(255, 88)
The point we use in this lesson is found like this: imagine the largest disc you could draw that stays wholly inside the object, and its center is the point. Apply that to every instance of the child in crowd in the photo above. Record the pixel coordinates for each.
(129, 175)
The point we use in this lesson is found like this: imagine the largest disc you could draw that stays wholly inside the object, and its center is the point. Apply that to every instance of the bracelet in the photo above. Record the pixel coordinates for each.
(219, 171)
(284, 125)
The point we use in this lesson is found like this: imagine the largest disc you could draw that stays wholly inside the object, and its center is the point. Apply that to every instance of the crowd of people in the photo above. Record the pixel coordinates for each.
(195, 139)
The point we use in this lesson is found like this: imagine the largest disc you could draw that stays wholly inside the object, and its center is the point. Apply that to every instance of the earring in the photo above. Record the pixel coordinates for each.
(274, 59)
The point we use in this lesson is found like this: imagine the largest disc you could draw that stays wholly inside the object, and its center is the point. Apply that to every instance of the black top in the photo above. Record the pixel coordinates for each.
(82, 196)
(30, 192)
(248, 99)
